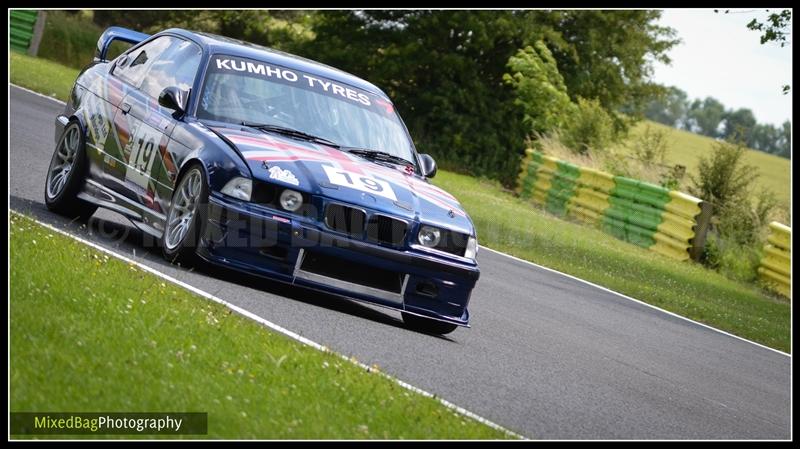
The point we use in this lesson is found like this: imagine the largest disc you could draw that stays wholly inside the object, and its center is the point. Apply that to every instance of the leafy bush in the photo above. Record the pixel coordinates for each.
(673, 177)
(731, 259)
(588, 128)
(743, 221)
(739, 217)
(723, 177)
(650, 147)
(69, 39)
(539, 88)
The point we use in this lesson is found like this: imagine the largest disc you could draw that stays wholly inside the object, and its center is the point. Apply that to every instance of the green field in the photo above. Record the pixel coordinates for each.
(509, 224)
(90, 333)
(685, 148)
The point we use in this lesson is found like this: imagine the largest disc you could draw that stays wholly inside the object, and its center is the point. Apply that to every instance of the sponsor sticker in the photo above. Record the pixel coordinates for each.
(282, 175)
(286, 75)
(97, 120)
(292, 77)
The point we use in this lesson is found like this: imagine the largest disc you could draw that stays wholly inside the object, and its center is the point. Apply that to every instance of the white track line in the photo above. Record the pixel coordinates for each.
(634, 300)
(36, 93)
(558, 272)
(278, 328)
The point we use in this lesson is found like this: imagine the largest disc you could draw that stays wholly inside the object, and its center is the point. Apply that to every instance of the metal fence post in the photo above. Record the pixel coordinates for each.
(700, 231)
(38, 31)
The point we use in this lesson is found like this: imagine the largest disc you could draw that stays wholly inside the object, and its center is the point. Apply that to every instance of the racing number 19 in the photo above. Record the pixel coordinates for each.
(366, 182)
(143, 153)
(359, 181)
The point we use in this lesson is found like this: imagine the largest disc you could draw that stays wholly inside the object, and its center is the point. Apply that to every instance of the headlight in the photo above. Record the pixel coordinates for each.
(240, 188)
(291, 200)
(429, 236)
(472, 248)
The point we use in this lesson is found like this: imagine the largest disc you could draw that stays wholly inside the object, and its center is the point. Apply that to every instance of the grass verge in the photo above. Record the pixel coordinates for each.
(43, 76)
(92, 333)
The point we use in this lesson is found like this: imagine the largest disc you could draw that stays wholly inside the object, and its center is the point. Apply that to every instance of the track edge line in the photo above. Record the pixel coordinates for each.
(10, 84)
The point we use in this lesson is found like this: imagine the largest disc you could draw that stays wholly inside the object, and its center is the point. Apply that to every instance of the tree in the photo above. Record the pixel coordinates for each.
(444, 70)
(739, 124)
(723, 177)
(279, 29)
(539, 88)
(609, 55)
(669, 108)
(777, 28)
(138, 20)
(589, 128)
(705, 116)
(765, 138)
(784, 142)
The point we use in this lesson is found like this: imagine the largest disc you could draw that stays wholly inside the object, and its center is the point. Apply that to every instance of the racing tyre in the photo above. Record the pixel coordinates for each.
(427, 325)
(66, 175)
(186, 217)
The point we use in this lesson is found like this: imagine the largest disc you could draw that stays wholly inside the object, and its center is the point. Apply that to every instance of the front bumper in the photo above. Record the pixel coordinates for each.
(261, 241)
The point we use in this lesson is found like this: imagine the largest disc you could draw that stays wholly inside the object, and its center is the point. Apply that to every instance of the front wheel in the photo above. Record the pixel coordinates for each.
(427, 325)
(186, 217)
(66, 175)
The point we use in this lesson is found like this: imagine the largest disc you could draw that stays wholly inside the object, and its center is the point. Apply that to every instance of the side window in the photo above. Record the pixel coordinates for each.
(133, 68)
(176, 66)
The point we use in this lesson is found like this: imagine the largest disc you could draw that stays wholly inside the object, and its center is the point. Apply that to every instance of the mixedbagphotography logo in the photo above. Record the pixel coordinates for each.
(65, 423)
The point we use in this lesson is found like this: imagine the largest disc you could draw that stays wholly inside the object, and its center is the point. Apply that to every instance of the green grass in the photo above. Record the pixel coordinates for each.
(41, 75)
(685, 148)
(91, 333)
(509, 224)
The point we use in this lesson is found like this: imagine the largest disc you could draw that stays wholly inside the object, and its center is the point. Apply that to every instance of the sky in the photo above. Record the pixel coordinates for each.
(720, 57)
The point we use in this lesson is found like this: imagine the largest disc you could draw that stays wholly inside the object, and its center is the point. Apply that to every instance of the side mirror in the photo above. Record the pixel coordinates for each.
(173, 98)
(428, 165)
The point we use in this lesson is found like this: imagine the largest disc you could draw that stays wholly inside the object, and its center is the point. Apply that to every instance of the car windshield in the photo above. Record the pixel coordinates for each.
(239, 90)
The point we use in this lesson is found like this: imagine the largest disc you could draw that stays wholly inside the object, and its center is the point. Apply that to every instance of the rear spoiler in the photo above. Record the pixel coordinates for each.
(112, 34)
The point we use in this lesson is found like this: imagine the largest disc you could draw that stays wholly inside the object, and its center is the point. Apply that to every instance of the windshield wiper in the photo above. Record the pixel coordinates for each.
(286, 131)
(377, 155)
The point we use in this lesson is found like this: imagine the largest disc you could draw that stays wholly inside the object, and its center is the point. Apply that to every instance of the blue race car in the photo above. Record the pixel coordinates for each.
(266, 163)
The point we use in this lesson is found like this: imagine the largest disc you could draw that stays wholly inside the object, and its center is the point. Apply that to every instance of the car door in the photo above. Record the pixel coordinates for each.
(148, 164)
(125, 76)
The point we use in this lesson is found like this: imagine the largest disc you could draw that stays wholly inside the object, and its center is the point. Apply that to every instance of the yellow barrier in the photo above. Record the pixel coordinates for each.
(775, 269)
(644, 214)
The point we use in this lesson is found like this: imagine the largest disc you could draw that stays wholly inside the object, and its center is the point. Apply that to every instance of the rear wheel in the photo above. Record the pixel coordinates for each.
(186, 217)
(66, 175)
(427, 325)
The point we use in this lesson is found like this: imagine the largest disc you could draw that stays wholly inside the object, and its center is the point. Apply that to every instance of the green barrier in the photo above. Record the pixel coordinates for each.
(775, 267)
(21, 25)
(644, 214)
(562, 188)
(527, 178)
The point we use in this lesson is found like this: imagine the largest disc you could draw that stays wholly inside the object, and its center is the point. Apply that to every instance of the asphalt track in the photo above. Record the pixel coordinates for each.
(547, 356)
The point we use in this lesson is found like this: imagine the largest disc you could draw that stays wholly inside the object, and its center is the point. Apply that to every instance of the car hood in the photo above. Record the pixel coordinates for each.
(347, 178)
